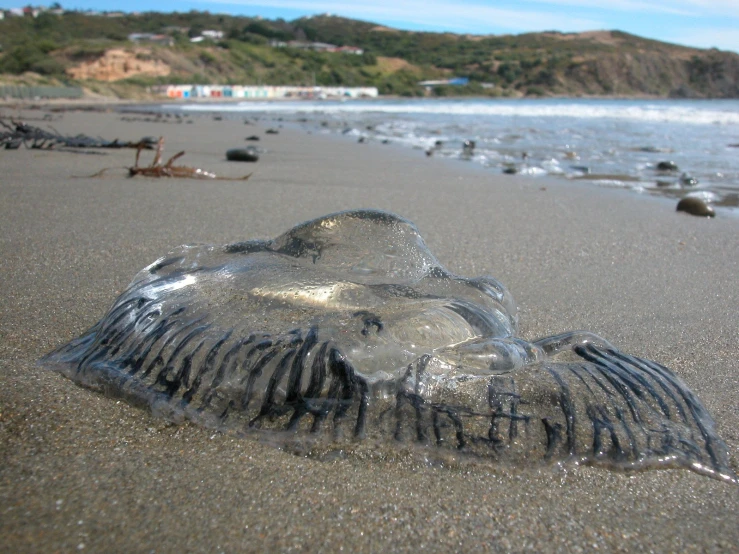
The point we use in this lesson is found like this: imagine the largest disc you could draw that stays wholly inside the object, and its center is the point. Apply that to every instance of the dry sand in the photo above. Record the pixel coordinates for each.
(81, 471)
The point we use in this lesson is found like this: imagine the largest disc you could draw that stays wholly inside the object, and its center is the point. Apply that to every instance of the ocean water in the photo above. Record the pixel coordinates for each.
(613, 143)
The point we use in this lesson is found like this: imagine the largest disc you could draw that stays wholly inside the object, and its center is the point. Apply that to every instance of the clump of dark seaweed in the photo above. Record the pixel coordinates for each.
(347, 328)
(18, 132)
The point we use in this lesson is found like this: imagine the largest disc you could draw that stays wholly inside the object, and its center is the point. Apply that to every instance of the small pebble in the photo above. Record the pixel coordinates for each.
(581, 168)
(667, 166)
(688, 180)
(249, 154)
(695, 206)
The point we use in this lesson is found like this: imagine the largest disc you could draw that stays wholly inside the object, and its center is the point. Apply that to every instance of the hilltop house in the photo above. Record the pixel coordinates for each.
(164, 40)
(211, 34)
(316, 46)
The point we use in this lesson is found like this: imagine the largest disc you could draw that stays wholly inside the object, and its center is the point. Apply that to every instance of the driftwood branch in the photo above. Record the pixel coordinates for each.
(168, 169)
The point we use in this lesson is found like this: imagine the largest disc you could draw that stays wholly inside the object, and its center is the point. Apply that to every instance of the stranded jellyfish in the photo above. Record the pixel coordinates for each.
(347, 328)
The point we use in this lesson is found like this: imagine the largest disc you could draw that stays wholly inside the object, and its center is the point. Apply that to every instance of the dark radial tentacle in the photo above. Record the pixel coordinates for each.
(205, 367)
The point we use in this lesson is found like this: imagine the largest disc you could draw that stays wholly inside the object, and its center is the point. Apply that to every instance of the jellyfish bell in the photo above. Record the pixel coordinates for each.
(347, 327)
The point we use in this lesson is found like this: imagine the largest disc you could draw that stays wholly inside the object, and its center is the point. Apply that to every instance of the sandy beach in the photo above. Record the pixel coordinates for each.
(82, 472)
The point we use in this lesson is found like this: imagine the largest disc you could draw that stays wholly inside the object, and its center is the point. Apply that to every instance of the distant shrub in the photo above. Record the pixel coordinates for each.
(206, 57)
(260, 28)
(368, 58)
(509, 71)
(545, 78)
(46, 45)
(252, 38)
(86, 52)
(29, 57)
(47, 66)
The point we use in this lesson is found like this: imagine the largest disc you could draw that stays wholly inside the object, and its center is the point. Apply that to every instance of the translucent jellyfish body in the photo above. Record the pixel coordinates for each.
(347, 328)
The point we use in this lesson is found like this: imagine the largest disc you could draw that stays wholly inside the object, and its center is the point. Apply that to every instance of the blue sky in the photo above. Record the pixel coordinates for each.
(701, 23)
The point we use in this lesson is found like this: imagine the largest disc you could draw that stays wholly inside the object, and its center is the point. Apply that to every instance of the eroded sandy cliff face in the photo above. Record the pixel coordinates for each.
(119, 64)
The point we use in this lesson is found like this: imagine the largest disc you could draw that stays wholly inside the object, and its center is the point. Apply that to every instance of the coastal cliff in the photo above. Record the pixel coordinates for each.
(125, 54)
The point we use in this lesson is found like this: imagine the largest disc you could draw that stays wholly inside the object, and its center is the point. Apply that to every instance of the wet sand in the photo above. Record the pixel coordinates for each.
(79, 471)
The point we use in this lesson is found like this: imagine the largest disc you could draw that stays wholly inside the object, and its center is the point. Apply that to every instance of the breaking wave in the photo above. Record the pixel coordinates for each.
(710, 113)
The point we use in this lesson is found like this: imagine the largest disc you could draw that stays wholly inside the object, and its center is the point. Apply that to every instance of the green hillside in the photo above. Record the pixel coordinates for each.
(46, 49)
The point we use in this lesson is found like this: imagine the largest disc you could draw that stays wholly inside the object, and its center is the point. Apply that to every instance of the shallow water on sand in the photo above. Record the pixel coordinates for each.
(615, 143)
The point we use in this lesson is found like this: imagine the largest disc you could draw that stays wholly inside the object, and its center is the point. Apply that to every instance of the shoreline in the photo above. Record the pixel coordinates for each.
(78, 468)
(163, 100)
(716, 195)
(707, 197)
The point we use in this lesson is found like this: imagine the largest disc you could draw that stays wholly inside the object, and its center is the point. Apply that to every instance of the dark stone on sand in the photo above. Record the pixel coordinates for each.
(667, 166)
(695, 206)
(253, 137)
(510, 170)
(242, 155)
(581, 168)
(217, 118)
(272, 131)
(361, 140)
(429, 152)
(468, 149)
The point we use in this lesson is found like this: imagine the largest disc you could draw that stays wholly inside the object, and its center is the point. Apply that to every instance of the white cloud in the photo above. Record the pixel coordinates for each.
(724, 39)
(480, 17)
(728, 8)
(656, 6)
(444, 14)
(455, 14)
(725, 8)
